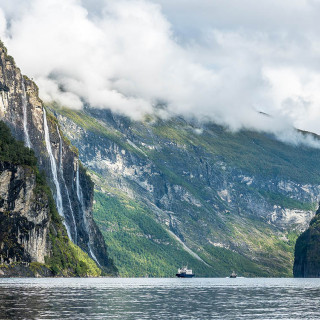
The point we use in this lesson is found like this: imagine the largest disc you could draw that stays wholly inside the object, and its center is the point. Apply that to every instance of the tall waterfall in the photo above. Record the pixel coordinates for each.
(54, 171)
(74, 239)
(25, 118)
(80, 198)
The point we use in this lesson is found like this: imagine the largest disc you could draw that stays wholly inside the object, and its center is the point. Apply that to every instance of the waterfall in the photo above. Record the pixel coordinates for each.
(78, 187)
(54, 171)
(80, 198)
(65, 186)
(25, 118)
(92, 254)
(2, 106)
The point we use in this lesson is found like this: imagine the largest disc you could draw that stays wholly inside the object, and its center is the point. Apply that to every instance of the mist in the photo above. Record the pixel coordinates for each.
(220, 61)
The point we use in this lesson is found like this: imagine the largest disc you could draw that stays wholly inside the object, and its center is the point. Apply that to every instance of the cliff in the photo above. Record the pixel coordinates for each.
(33, 240)
(307, 251)
(25, 114)
(24, 216)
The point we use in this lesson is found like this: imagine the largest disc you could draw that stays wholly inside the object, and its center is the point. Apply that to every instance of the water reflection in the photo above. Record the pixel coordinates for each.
(159, 298)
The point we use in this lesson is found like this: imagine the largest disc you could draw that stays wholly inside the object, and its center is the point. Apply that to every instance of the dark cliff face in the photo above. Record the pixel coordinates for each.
(33, 240)
(307, 251)
(23, 111)
(24, 216)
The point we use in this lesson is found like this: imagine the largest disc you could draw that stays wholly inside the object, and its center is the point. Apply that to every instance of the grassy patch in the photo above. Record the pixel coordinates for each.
(286, 202)
(14, 151)
(67, 259)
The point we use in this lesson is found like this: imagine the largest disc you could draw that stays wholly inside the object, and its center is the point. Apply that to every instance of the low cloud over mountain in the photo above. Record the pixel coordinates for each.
(210, 59)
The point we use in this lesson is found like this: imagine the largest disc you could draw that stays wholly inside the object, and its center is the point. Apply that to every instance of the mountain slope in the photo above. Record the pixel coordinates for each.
(236, 200)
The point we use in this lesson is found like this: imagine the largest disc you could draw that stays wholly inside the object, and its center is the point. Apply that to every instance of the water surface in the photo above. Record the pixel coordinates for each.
(197, 298)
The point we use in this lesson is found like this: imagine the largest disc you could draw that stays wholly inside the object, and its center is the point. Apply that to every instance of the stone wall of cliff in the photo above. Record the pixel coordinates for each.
(33, 240)
(24, 216)
(24, 112)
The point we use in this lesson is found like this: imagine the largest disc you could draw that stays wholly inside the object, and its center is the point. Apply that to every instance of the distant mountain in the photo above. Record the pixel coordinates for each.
(172, 192)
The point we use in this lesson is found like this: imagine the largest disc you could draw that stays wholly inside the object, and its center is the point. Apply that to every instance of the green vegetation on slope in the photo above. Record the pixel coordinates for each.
(13, 151)
(138, 245)
(286, 202)
(273, 251)
(141, 247)
(255, 152)
(67, 259)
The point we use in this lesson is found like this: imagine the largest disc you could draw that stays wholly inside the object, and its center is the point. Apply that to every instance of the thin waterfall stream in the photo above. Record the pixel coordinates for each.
(67, 191)
(80, 198)
(25, 116)
(54, 172)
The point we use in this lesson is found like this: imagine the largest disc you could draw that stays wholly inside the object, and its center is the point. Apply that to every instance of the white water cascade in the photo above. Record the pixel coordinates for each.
(65, 186)
(80, 198)
(54, 171)
(25, 118)
(2, 106)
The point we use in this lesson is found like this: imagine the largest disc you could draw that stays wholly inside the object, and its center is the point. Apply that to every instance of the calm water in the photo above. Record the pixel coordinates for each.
(197, 298)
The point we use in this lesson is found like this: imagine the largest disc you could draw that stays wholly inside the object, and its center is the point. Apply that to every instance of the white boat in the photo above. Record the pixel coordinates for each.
(233, 275)
(184, 272)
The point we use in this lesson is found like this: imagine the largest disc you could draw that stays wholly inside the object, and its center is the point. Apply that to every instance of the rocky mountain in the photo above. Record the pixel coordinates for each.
(23, 111)
(171, 192)
(33, 240)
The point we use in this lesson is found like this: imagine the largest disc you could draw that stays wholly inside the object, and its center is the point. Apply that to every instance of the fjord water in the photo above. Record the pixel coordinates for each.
(197, 298)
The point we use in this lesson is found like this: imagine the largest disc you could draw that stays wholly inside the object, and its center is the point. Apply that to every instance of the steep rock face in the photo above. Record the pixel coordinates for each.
(33, 241)
(23, 111)
(24, 216)
(213, 189)
(307, 251)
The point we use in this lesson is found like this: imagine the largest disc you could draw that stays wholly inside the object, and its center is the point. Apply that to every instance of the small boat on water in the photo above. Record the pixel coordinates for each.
(184, 272)
(233, 275)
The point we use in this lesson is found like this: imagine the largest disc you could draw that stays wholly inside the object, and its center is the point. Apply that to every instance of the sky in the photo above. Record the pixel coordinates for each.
(220, 60)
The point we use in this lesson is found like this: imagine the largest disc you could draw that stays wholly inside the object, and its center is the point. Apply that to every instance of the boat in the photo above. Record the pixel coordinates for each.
(184, 272)
(233, 275)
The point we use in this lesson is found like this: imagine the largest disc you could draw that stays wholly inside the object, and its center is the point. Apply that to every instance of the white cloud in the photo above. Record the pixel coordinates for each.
(211, 59)
(3, 23)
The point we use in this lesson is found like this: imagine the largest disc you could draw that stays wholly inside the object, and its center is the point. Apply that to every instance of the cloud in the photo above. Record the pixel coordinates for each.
(3, 22)
(210, 59)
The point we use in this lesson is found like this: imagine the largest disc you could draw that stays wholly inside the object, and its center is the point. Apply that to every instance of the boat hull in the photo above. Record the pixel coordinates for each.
(184, 275)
